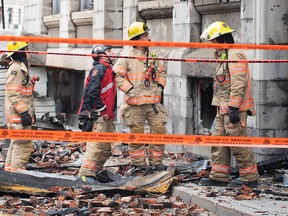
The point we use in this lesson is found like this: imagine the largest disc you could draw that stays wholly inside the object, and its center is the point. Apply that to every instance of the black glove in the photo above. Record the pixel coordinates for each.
(234, 115)
(26, 118)
(88, 125)
(35, 118)
(249, 113)
(81, 125)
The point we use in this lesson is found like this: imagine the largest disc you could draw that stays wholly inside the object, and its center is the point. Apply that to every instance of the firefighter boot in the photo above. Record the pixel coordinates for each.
(87, 179)
(160, 167)
(238, 183)
(211, 182)
(103, 177)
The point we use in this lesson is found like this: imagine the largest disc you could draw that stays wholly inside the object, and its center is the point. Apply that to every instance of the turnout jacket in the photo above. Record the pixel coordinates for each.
(100, 90)
(130, 77)
(232, 84)
(18, 93)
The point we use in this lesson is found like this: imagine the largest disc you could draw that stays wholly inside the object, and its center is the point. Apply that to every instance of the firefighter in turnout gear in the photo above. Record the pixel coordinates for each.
(233, 98)
(19, 105)
(96, 114)
(143, 82)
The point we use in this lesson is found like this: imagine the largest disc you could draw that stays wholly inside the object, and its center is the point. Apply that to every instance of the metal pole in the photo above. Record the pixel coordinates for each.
(3, 17)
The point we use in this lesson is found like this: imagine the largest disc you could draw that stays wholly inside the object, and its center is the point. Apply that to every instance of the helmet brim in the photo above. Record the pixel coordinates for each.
(11, 53)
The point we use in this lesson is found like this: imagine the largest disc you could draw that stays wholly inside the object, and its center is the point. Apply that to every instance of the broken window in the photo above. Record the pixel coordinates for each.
(208, 112)
(66, 87)
(204, 113)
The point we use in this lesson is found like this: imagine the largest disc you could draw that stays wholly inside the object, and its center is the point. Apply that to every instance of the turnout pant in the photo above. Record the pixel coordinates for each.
(221, 156)
(97, 153)
(134, 117)
(19, 151)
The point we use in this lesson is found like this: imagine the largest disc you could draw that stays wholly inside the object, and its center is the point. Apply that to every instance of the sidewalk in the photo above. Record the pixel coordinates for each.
(222, 205)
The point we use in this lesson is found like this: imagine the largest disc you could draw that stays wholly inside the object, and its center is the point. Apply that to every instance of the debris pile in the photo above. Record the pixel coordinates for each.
(57, 163)
(86, 202)
(49, 186)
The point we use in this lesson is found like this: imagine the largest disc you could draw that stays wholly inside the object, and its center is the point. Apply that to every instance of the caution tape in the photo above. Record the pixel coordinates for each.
(34, 39)
(153, 58)
(173, 139)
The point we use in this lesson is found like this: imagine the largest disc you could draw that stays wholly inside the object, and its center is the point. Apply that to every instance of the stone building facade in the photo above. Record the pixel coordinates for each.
(188, 93)
(13, 14)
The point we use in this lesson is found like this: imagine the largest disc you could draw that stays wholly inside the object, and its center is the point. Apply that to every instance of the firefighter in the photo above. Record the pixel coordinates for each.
(233, 99)
(143, 82)
(19, 105)
(96, 113)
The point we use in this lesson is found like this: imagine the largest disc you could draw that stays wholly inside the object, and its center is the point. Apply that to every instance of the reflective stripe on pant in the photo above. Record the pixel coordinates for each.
(134, 116)
(97, 153)
(19, 151)
(221, 156)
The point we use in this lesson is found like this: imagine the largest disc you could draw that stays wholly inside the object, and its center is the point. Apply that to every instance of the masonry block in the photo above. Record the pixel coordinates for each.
(272, 117)
(177, 86)
(113, 20)
(130, 4)
(271, 92)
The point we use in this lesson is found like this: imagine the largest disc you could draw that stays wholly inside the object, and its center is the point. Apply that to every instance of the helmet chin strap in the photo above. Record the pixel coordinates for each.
(147, 55)
(110, 61)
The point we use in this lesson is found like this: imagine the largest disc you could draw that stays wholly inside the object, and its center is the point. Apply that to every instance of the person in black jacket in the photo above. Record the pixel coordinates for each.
(96, 113)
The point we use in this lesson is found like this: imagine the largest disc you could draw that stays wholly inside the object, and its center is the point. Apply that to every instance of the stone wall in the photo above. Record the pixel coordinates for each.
(183, 20)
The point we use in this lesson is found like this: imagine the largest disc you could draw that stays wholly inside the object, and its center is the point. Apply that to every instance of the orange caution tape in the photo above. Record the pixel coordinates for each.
(173, 139)
(153, 58)
(141, 43)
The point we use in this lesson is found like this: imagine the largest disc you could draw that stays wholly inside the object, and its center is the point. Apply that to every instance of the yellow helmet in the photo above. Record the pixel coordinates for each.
(15, 45)
(215, 30)
(136, 29)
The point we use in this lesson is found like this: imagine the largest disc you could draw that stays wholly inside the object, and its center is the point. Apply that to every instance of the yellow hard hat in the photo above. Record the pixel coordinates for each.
(215, 30)
(15, 45)
(136, 29)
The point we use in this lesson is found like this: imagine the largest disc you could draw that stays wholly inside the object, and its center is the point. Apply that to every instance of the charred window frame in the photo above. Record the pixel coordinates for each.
(208, 112)
(66, 87)
(204, 113)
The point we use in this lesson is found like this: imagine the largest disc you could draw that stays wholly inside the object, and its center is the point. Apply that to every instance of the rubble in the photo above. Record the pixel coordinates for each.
(92, 200)
(49, 186)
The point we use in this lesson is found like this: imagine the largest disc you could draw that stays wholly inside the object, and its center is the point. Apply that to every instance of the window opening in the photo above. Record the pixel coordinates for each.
(202, 111)
(66, 87)
(86, 5)
(56, 6)
(208, 112)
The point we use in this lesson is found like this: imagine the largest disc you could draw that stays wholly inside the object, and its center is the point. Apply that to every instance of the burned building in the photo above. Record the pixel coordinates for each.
(188, 94)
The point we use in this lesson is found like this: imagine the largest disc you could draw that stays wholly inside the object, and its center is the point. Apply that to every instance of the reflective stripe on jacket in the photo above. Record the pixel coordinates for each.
(232, 84)
(100, 89)
(130, 77)
(18, 92)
